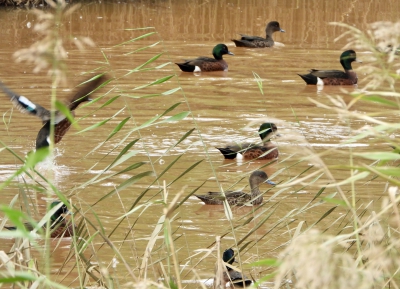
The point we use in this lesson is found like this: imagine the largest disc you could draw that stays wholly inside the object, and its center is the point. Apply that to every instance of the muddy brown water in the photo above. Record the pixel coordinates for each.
(223, 104)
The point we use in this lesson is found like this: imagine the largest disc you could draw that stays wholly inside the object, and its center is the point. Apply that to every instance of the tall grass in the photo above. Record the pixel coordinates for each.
(362, 254)
(365, 251)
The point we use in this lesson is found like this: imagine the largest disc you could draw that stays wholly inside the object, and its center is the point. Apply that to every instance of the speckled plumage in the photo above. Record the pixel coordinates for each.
(62, 124)
(334, 77)
(236, 278)
(259, 42)
(239, 198)
(59, 226)
(203, 63)
(263, 151)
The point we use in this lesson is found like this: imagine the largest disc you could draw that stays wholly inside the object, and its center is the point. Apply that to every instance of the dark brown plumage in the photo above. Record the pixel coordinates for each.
(262, 151)
(259, 42)
(207, 63)
(234, 277)
(334, 77)
(58, 225)
(240, 198)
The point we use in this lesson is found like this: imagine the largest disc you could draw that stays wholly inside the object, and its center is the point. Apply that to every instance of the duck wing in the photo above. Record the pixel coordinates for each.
(328, 73)
(251, 38)
(200, 60)
(238, 279)
(25, 105)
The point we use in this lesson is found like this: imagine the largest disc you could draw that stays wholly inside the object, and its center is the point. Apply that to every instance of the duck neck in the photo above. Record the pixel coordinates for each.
(266, 136)
(268, 34)
(217, 56)
(346, 65)
(74, 104)
(56, 219)
(255, 193)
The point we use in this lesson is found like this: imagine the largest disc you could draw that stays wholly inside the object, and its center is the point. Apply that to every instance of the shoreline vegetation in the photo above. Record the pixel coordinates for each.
(361, 251)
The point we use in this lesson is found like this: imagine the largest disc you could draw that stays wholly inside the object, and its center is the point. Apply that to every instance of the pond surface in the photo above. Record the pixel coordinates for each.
(225, 107)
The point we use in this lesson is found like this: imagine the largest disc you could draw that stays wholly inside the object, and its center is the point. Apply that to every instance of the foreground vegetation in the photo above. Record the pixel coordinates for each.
(361, 252)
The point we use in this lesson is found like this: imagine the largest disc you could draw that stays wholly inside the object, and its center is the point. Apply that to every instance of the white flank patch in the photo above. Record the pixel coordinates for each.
(27, 102)
(48, 140)
(197, 69)
(320, 82)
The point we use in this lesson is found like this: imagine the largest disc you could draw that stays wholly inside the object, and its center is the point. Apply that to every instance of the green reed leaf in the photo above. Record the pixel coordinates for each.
(259, 82)
(65, 111)
(266, 262)
(99, 124)
(125, 184)
(176, 117)
(142, 48)
(158, 81)
(381, 100)
(135, 39)
(154, 58)
(335, 201)
(384, 156)
(18, 276)
(354, 178)
(118, 128)
(111, 100)
(326, 214)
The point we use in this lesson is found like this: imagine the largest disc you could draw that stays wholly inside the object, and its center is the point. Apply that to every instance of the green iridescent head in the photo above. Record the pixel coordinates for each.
(266, 129)
(219, 50)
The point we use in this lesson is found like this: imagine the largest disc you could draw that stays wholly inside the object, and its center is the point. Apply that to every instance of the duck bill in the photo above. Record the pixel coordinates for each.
(270, 182)
(358, 60)
(283, 30)
(230, 53)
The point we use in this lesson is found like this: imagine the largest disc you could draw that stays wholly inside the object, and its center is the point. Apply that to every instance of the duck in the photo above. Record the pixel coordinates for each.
(236, 278)
(204, 63)
(334, 77)
(58, 225)
(61, 122)
(263, 151)
(239, 198)
(259, 42)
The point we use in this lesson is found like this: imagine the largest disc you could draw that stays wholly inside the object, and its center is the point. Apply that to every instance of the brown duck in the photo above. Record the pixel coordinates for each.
(259, 42)
(203, 63)
(334, 77)
(240, 198)
(262, 151)
(61, 123)
(58, 225)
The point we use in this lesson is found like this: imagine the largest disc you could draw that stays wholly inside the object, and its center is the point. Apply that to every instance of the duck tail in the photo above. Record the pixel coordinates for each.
(240, 282)
(228, 153)
(309, 78)
(203, 198)
(11, 228)
(186, 67)
(238, 43)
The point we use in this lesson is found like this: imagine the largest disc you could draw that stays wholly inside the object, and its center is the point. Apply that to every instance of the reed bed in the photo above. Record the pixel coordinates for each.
(357, 248)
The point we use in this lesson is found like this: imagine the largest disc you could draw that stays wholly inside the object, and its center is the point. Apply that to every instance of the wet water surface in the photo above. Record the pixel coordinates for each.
(225, 107)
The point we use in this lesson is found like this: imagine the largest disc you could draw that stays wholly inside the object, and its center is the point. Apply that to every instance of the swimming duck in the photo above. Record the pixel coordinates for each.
(203, 63)
(59, 226)
(237, 278)
(239, 198)
(259, 42)
(62, 124)
(334, 77)
(254, 151)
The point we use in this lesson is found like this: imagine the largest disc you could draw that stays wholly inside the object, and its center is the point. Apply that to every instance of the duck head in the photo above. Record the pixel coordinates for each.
(219, 50)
